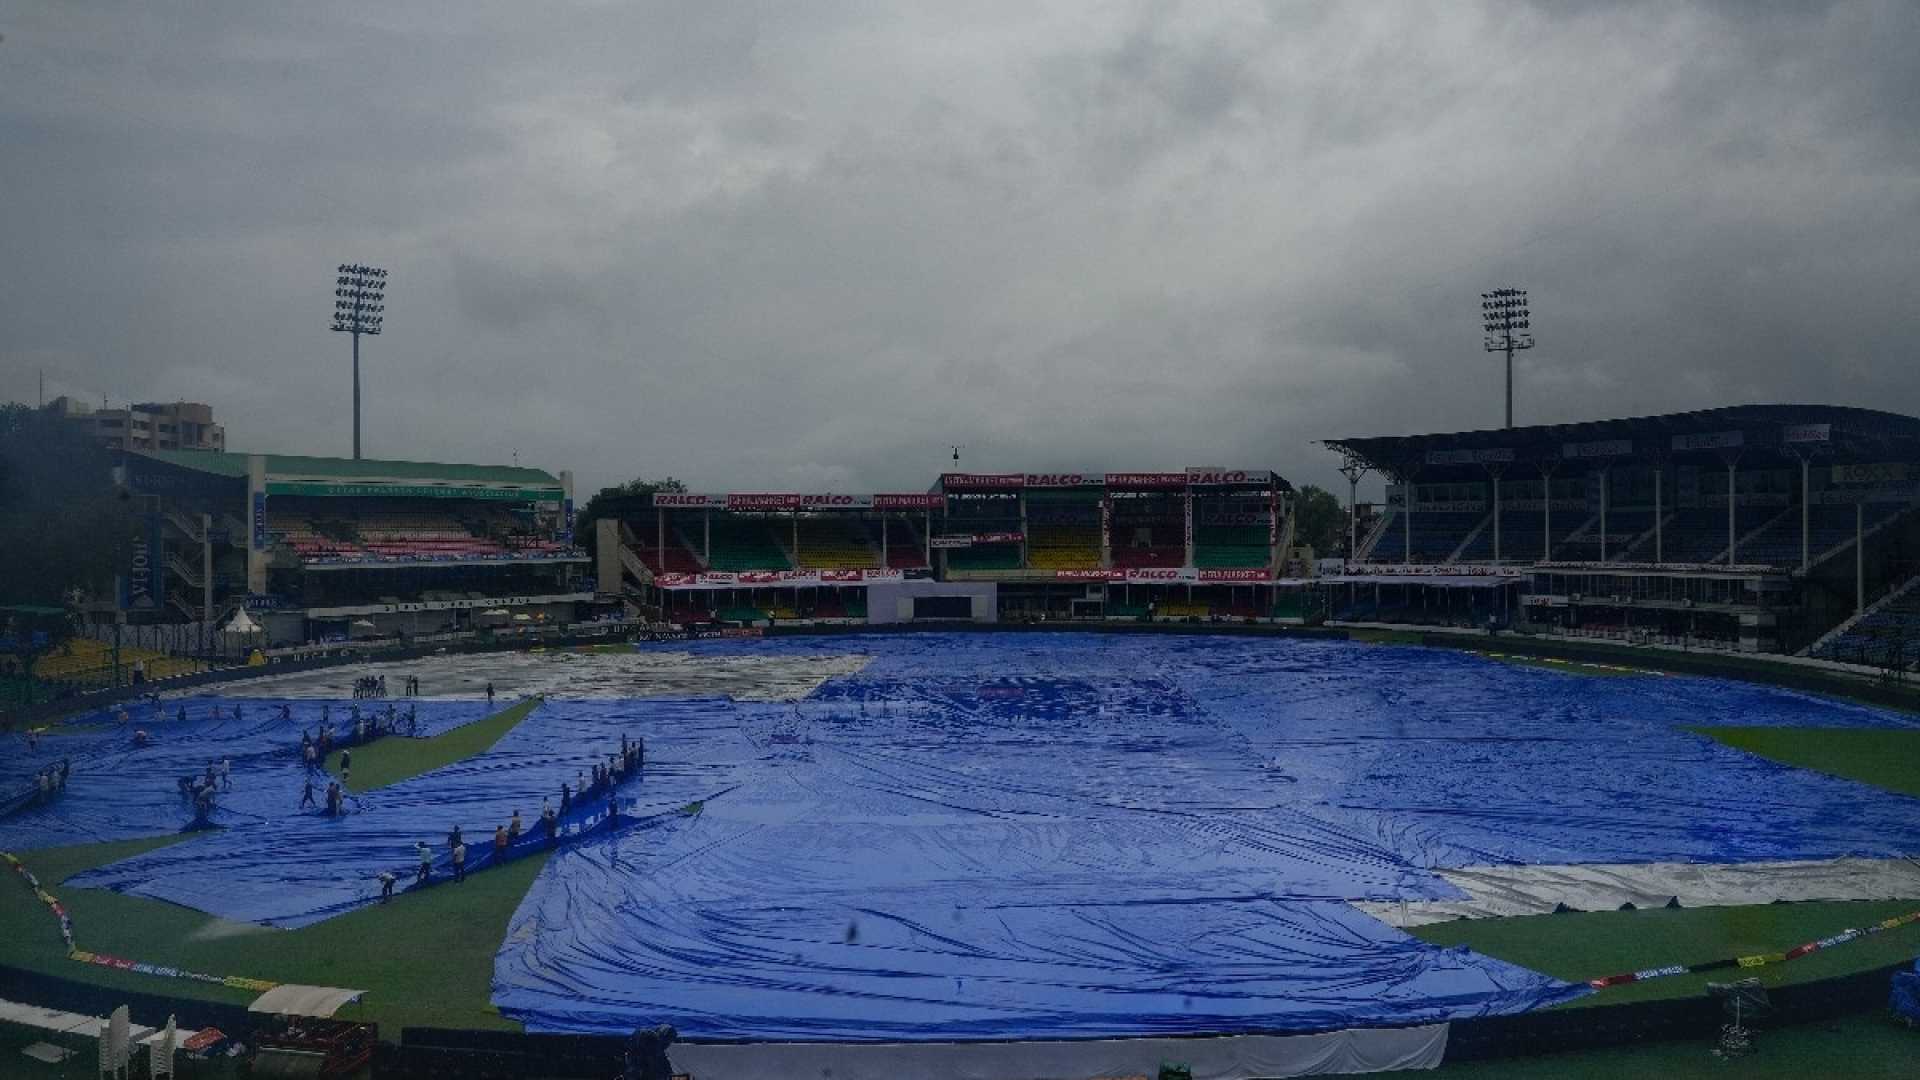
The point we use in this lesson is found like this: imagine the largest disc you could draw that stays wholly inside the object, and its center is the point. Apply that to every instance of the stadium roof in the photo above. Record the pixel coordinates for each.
(1748, 433)
(289, 474)
(287, 465)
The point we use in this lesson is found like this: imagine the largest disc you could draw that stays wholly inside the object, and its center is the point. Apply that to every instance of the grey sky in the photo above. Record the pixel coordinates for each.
(808, 245)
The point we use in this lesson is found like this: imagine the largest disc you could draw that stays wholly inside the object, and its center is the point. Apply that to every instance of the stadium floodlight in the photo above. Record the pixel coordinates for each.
(359, 307)
(1504, 314)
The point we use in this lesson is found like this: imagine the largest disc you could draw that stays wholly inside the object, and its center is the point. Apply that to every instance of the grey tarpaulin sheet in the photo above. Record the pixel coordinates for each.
(292, 999)
(1496, 891)
(1238, 1057)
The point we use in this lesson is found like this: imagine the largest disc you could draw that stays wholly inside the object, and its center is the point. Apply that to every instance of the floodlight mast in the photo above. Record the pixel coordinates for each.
(1504, 314)
(359, 307)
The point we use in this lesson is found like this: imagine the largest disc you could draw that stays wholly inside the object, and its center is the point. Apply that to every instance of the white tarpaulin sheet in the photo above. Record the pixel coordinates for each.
(1496, 891)
(295, 1000)
(1236, 1057)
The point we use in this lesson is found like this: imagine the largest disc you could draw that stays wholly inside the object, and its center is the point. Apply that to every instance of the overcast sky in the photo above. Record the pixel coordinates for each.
(807, 246)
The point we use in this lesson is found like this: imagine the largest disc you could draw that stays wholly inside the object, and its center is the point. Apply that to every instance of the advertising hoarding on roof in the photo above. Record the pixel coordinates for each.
(1599, 449)
(1140, 480)
(1710, 440)
(1493, 455)
(921, 501)
(1806, 433)
(1209, 476)
(988, 481)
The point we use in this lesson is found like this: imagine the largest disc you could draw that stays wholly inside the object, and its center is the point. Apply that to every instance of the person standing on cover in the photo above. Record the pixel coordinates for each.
(425, 854)
(489, 695)
(459, 862)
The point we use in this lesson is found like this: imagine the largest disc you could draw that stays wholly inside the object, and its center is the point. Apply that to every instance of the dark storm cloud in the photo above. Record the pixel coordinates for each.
(811, 245)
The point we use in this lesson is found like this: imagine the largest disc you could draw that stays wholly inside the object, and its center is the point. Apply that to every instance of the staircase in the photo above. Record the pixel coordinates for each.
(634, 566)
(1751, 533)
(188, 525)
(1639, 542)
(1472, 534)
(187, 571)
(1372, 539)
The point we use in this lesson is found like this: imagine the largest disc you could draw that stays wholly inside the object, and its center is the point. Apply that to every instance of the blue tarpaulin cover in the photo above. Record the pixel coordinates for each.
(118, 790)
(1060, 835)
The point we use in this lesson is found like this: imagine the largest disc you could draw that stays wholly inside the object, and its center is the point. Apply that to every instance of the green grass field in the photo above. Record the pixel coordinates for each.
(424, 959)
(1885, 758)
(391, 760)
(1586, 945)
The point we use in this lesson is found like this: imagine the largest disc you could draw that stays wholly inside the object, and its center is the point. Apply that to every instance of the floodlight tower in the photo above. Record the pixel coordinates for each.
(1504, 314)
(359, 307)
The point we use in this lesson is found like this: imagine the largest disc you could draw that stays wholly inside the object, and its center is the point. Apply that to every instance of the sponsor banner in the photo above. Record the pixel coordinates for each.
(1209, 476)
(1089, 575)
(1600, 449)
(1160, 575)
(1806, 433)
(684, 634)
(1106, 523)
(755, 500)
(1644, 567)
(143, 587)
(1469, 457)
(668, 500)
(1906, 492)
(1509, 505)
(998, 538)
(259, 521)
(1890, 472)
(566, 521)
(1263, 518)
(977, 481)
(782, 578)
(1139, 480)
(1710, 440)
(1062, 480)
(1236, 575)
(1273, 519)
(942, 543)
(1428, 570)
(924, 501)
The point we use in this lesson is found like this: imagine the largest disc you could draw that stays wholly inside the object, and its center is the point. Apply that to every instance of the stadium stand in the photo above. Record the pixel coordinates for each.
(835, 542)
(1522, 534)
(1829, 527)
(1147, 542)
(1436, 533)
(984, 557)
(1888, 635)
(1624, 531)
(1230, 547)
(747, 544)
(906, 548)
(1063, 547)
(1063, 530)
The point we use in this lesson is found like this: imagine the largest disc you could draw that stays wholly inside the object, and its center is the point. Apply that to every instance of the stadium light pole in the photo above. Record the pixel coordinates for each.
(1503, 312)
(359, 307)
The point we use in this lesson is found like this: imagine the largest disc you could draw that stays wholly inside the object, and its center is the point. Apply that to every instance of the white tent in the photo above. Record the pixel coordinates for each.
(242, 623)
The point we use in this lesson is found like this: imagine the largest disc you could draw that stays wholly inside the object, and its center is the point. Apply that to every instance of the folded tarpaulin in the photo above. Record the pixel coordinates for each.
(1236, 1057)
(292, 999)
